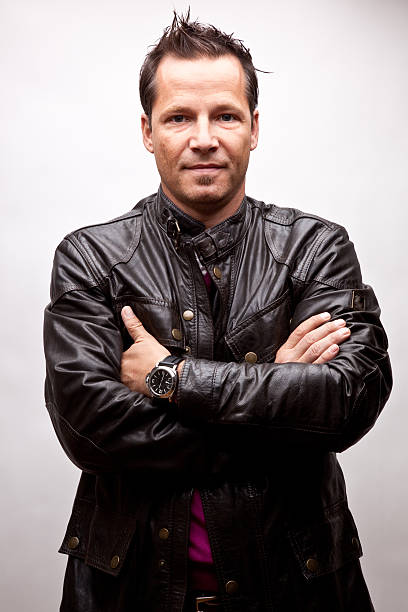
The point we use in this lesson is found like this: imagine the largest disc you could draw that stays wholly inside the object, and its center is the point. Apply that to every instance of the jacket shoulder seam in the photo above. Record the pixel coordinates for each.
(272, 214)
(82, 246)
(302, 270)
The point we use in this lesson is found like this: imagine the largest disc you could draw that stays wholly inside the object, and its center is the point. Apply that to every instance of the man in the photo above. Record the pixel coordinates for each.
(207, 355)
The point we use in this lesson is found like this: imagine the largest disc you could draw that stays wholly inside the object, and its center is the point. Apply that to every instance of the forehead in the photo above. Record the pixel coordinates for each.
(203, 77)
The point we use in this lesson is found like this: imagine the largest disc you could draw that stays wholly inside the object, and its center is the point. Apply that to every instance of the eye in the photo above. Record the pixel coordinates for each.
(177, 119)
(227, 117)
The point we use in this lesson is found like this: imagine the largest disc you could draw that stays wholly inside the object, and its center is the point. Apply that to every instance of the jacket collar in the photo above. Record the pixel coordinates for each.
(210, 243)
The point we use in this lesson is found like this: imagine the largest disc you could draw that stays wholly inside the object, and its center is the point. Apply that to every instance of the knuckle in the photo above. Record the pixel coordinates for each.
(298, 334)
(311, 338)
(315, 350)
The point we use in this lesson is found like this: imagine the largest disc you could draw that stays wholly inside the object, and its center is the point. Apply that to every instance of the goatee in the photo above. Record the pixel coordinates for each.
(205, 180)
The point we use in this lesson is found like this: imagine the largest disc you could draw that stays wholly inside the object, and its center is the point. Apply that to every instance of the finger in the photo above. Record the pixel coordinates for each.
(305, 327)
(320, 333)
(132, 323)
(318, 348)
(328, 354)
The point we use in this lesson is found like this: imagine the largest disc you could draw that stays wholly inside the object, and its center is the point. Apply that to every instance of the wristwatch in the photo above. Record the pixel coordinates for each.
(162, 380)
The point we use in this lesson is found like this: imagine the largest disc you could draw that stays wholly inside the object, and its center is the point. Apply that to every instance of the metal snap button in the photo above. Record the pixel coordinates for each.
(73, 542)
(176, 333)
(217, 272)
(115, 562)
(232, 587)
(312, 565)
(188, 315)
(164, 533)
(251, 357)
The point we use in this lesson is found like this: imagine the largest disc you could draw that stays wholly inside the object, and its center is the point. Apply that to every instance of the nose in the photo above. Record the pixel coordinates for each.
(203, 138)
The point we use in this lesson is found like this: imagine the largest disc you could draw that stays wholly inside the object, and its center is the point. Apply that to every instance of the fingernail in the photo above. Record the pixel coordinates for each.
(127, 312)
(345, 332)
(325, 316)
(339, 322)
(334, 348)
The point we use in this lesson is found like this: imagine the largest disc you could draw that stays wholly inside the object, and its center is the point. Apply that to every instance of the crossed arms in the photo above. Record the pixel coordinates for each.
(316, 340)
(97, 400)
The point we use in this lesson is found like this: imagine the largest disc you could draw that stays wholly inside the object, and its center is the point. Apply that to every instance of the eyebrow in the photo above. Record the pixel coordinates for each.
(218, 108)
(176, 110)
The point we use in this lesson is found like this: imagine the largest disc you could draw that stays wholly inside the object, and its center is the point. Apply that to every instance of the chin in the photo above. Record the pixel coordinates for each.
(206, 193)
(204, 198)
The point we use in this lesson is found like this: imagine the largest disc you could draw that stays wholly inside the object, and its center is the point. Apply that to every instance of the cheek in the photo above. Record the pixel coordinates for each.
(238, 145)
(169, 152)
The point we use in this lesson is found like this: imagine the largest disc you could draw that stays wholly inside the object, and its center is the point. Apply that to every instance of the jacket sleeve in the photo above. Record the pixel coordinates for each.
(330, 406)
(101, 424)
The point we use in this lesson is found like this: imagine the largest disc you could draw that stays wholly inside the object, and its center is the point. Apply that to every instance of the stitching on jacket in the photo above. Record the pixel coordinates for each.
(89, 257)
(271, 215)
(123, 298)
(271, 245)
(184, 374)
(259, 314)
(213, 377)
(66, 288)
(90, 262)
(133, 243)
(304, 267)
(191, 283)
(72, 239)
(340, 284)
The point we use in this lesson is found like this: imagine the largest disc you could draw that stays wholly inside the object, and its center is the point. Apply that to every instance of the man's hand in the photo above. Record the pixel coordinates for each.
(142, 356)
(315, 340)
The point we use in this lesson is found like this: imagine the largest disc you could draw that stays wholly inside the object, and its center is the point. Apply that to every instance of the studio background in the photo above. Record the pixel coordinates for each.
(333, 141)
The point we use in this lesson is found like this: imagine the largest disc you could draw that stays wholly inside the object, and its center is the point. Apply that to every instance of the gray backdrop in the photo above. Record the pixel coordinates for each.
(333, 141)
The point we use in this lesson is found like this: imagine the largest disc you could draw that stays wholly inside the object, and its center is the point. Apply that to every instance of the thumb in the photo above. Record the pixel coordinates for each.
(132, 323)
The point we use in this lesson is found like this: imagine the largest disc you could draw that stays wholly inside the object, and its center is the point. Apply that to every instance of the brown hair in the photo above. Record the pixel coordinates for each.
(188, 40)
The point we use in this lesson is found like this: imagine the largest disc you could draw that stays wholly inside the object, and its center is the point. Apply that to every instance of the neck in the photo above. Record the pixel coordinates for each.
(209, 218)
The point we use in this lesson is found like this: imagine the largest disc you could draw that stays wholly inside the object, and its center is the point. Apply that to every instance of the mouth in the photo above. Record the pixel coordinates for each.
(205, 168)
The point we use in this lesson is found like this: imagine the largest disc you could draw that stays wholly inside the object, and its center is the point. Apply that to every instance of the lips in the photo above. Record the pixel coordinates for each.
(205, 167)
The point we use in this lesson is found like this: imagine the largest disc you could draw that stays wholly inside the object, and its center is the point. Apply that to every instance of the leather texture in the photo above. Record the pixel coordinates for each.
(259, 440)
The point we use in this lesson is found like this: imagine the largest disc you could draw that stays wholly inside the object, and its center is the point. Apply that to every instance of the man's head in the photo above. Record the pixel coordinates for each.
(199, 91)
(190, 40)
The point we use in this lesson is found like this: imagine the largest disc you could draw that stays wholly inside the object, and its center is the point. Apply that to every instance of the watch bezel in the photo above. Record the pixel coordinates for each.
(173, 373)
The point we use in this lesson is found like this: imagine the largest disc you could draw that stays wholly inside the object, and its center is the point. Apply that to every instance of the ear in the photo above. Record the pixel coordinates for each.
(254, 130)
(147, 133)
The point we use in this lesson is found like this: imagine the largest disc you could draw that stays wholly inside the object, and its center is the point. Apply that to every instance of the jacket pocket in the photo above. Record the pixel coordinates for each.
(98, 537)
(262, 334)
(160, 318)
(326, 546)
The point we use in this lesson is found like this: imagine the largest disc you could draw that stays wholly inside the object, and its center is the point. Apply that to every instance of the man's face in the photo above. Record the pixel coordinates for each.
(201, 132)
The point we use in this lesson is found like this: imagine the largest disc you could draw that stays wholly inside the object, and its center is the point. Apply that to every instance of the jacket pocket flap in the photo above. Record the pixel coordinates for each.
(76, 537)
(99, 537)
(263, 332)
(324, 547)
(109, 539)
(159, 318)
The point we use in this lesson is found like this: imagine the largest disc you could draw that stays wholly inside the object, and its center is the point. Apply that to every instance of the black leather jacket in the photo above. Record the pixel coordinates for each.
(257, 439)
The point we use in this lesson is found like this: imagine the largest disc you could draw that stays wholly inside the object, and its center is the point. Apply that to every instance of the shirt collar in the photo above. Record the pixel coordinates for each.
(210, 243)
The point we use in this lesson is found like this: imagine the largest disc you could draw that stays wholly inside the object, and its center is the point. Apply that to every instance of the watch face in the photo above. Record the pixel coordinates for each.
(161, 381)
